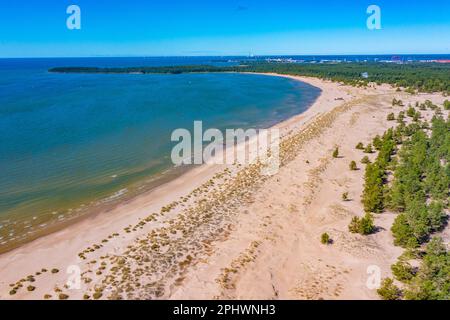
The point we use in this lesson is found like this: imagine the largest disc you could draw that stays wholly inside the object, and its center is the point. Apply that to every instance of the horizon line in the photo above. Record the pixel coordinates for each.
(231, 55)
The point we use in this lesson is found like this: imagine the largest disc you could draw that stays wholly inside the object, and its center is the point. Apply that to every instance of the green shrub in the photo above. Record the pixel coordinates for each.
(363, 226)
(360, 146)
(336, 152)
(368, 149)
(365, 160)
(353, 227)
(403, 233)
(353, 166)
(325, 238)
(345, 196)
(391, 117)
(447, 105)
(97, 295)
(388, 290)
(377, 142)
(402, 271)
(411, 112)
(396, 102)
(366, 224)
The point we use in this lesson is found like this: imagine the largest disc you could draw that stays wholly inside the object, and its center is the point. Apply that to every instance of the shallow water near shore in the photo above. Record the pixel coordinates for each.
(73, 143)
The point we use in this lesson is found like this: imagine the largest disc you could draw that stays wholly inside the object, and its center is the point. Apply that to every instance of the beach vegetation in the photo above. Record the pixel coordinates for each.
(363, 226)
(411, 112)
(431, 282)
(377, 143)
(447, 105)
(345, 196)
(63, 296)
(353, 166)
(402, 271)
(325, 238)
(365, 160)
(336, 152)
(388, 290)
(97, 295)
(396, 102)
(422, 77)
(368, 149)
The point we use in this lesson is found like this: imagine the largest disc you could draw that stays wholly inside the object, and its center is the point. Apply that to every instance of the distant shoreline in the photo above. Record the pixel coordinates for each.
(413, 76)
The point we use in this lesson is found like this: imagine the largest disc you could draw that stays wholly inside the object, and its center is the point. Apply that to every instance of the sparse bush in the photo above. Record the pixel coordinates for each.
(391, 117)
(368, 149)
(363, 226)
(365, 160)
(325, 238)
(411, 112)
(353, 227)
(377, 142)
(97, 295)
(345, 196)
(360, 146)
(366, 225)
(447, 105)
(336, 152)
(63, 296)
(353, 166)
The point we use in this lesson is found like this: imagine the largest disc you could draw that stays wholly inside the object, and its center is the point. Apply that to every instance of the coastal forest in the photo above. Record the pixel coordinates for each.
(411, 177)
(422, 77)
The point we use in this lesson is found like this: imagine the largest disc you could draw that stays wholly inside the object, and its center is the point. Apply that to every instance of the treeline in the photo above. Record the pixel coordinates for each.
(145, 70)
(421, 184)
(419, 193)
(374, 192)
(427, 77)
(429, 281)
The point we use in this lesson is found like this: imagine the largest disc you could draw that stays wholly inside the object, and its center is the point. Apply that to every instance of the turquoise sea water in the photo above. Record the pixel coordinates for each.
(71, 141)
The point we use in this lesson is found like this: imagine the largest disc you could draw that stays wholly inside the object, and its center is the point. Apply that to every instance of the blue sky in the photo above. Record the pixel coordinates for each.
(37, 28)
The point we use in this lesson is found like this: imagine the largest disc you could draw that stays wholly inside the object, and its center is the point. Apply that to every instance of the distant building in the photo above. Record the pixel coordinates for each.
(365, 75)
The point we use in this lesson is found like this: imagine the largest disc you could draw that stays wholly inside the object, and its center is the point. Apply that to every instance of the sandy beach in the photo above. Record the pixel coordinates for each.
(228, 232)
